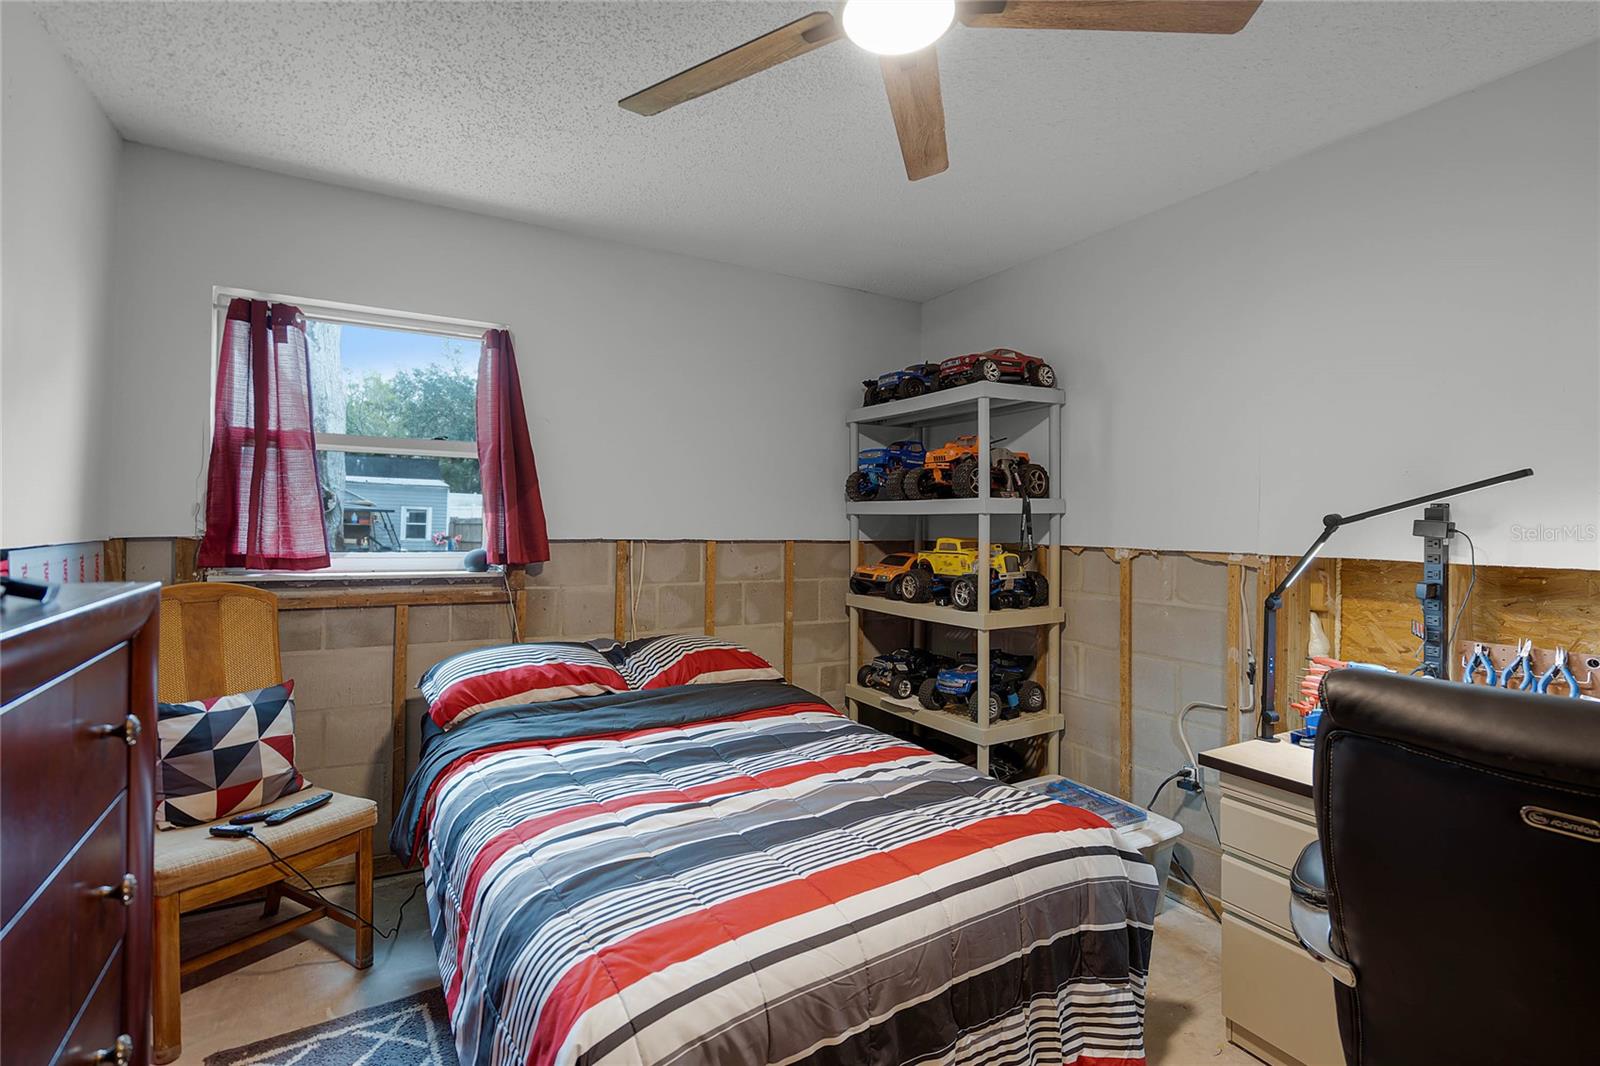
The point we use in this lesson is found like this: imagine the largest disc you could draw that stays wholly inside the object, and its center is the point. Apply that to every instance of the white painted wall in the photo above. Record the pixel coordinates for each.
(668, 397)
(1412, 308)
(58, 162)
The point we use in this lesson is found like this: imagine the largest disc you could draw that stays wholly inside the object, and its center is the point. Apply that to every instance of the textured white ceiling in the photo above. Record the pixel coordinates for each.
(510, 109)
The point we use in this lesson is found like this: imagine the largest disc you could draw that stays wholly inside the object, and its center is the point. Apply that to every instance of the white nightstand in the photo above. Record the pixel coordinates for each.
(1277, 1001)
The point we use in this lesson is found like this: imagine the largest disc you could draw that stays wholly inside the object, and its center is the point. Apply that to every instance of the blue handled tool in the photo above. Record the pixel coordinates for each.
(1558, 670)
(1524, 661)
(1480, 657)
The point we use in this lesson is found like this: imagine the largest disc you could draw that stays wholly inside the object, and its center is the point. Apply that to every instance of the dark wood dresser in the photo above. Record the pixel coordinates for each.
(77, 776)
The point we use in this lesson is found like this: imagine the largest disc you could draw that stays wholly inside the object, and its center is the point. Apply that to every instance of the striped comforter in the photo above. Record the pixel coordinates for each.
(737, 874)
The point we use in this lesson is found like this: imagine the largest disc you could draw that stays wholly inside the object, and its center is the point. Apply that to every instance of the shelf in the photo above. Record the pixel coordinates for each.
(1015, 618)
(946, 405)
(956, 723)
(995, 505)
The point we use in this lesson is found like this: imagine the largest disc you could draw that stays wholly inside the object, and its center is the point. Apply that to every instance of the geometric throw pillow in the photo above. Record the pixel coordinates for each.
(512, 674)
(661, 662)
(224, 755)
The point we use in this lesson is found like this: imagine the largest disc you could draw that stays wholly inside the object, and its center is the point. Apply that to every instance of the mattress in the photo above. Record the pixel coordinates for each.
(738, 874)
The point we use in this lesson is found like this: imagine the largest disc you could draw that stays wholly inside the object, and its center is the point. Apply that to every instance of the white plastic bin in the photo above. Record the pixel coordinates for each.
(1153, 838)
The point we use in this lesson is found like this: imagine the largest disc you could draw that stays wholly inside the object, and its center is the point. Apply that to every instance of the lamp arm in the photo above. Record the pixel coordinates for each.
(1268, 701)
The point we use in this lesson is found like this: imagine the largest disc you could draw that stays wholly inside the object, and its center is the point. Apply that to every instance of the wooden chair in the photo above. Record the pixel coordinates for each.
(218, 639)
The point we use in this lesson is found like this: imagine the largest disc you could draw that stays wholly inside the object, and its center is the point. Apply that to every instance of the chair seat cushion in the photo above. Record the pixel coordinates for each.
(192, 856)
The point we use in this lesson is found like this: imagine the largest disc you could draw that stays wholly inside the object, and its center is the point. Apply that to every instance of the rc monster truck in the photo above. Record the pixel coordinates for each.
(901, 673)
(1010, 691)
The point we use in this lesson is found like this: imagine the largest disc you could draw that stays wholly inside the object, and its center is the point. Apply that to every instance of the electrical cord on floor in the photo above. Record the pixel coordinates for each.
(1176, 865)
(326, 902)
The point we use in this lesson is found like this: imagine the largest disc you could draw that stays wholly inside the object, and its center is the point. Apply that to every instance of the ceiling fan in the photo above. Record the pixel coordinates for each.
(903, 34)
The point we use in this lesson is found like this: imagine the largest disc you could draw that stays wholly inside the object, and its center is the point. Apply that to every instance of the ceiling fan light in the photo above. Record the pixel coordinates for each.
(896, 27)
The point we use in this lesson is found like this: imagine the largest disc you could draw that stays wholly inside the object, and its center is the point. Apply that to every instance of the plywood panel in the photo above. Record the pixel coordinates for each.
(1377, 604)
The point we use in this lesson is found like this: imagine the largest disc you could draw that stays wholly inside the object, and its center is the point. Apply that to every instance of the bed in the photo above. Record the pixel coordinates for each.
(738, 874)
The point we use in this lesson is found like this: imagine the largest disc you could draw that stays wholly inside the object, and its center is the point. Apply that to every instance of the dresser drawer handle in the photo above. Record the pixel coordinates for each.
(120, 1053)
(123, 891)
(129, 730)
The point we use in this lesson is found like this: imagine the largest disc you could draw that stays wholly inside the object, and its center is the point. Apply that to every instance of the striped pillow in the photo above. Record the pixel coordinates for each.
(659, 662)
(462, 685)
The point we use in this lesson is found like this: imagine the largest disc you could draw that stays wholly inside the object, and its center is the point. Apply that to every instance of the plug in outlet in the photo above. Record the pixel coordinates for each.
(1189, 780)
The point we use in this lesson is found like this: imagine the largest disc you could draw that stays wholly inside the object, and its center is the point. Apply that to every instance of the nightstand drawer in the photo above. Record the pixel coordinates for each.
(1268, 835)
(1279, 994)
(1263, 894)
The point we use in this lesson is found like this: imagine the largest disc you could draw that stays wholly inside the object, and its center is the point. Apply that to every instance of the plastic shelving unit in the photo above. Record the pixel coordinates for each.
(967, 403)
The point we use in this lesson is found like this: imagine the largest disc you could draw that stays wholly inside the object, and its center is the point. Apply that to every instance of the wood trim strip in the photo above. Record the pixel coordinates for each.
(788, 609)
(317, 599)
(619, 625)
(711, 587)
(398, 686)
(114, 560)
(1234, 675)
(185, 550)
(1125, 684)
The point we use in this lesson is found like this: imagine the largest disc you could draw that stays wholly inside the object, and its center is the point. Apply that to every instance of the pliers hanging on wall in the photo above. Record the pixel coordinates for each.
(1524, 660)
(1480, 657)
(1558, 670)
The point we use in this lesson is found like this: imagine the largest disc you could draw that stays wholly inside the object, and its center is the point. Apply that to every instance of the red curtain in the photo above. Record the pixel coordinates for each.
(513, 512)
(263, 498)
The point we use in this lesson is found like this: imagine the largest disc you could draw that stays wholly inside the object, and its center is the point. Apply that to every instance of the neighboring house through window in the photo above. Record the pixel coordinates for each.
(394, 406)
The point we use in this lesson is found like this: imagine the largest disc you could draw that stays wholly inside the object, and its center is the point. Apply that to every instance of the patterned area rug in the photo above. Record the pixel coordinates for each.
(414, 1031)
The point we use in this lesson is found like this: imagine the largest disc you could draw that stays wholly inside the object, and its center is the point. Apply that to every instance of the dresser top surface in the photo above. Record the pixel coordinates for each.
(19, 615)
(1278, 764)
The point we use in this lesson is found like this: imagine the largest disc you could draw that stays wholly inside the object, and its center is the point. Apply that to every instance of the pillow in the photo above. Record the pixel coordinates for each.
(462, 685)
(659, 662)
(224, 755)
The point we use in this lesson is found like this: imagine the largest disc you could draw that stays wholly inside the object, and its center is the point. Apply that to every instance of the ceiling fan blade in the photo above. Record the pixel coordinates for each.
(918, 109)
(1140, 16)
(804, 34)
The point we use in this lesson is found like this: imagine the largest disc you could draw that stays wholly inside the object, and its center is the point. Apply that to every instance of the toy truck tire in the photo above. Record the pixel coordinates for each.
(1042, 375)
(918, 484)
(858, 487)
(914, 585)
(1040, 593)
(928, 695)
(1035, 481)
(996, 707)
(1030, 697)
(964, 478)
(964, 593)
(901, 688)
(894, 485)
(871, 395)
(911, 386)
(989, 370)
(864, 676)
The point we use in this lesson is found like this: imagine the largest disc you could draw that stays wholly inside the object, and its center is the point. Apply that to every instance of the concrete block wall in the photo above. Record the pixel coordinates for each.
(821, 631)
(1180, 645)
(750, 597)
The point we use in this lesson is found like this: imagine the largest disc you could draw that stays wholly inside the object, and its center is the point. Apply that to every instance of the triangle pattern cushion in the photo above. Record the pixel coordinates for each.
(225, 755)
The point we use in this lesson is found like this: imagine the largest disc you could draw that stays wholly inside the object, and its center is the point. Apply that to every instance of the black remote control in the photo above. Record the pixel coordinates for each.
(283, 814)
(231, 831)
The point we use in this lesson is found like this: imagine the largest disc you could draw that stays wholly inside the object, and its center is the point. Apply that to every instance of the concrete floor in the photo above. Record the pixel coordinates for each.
(302, 979)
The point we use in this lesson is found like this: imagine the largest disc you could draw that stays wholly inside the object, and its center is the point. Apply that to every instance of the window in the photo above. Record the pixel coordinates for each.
(394, 408)
(419, 523)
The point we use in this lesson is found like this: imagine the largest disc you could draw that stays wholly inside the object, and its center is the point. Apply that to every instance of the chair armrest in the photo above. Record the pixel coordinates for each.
(1308, 914)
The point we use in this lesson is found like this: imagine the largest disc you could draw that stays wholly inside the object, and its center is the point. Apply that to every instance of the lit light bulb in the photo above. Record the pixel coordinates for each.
(895, 27)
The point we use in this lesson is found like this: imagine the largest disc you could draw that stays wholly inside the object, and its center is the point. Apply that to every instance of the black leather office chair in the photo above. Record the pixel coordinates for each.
(1454, 894)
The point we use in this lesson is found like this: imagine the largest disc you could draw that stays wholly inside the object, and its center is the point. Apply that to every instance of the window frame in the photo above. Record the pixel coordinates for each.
(400, 563)
(405, 522)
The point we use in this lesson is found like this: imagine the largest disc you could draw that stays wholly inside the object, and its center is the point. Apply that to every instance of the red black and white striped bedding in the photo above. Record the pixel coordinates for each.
(738, 874)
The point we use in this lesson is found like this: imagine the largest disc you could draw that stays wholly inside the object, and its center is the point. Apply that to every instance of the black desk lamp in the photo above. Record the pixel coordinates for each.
(1268, 715)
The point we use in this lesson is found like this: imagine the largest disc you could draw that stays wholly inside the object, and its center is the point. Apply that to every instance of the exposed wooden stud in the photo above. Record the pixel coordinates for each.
(399, 685)
(1234, 675)
(711, 587)
(620, 606)
(114, 560)
(185, 550)
(1125, 655)
(788, 609)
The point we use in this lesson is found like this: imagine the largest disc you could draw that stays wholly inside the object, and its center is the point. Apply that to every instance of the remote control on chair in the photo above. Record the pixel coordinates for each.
(283, 814)
(231, 831)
